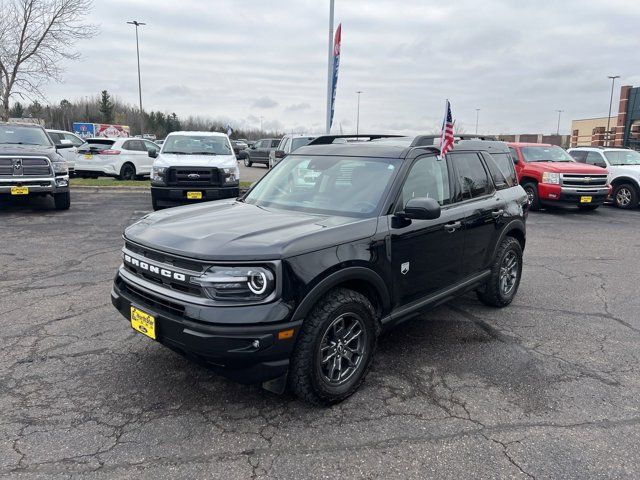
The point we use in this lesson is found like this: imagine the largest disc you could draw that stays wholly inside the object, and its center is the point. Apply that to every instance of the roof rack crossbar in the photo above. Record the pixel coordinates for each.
(328, 139)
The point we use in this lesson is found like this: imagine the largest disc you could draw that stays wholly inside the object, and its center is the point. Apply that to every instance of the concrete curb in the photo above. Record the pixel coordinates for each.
(114, 189)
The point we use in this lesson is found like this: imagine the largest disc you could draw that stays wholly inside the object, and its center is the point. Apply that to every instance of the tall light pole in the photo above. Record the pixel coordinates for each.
(613, 81)
(139, 24)
(358, 114)
(261, 123)
(330, 68)
(558, 129)
(477, 117)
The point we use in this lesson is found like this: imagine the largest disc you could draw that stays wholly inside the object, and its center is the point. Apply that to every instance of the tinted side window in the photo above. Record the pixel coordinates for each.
(504, 162)
(150, 146)
(594, 158)
(274, 143)
(499, 179)
(514, 154)
(56, 137)
(429, 178)
(285, 145)
(472, 177)
(135, 145)
(579, 156)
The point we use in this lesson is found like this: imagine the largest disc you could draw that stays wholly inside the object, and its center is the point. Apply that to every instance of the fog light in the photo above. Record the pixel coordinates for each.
(62, 182)
(256, 344)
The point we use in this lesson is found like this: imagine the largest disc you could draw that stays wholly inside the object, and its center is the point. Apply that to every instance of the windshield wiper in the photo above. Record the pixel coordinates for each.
(203, 153)
(178, 153)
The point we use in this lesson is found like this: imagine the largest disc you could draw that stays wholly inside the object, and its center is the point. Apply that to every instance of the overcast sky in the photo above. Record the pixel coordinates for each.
(238, 60)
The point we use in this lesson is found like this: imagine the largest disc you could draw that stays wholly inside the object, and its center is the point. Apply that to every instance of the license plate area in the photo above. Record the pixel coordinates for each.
(143, 322)
(19, 190)
(88, 156)
(194, 195)
(586, 199)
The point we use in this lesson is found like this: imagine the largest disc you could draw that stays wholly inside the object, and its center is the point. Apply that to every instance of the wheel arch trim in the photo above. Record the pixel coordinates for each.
(334, 279)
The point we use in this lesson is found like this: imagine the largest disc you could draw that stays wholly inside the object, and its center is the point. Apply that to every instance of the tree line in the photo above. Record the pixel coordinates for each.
(104, 108)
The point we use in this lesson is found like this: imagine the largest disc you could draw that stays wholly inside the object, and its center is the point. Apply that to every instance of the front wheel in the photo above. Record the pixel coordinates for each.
(62, 201)
(506, 271)
(247, 161)
(625, 196)
(532, 195)
(334, 348)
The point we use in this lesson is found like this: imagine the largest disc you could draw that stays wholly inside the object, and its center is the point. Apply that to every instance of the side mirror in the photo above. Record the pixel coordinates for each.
(515, 160)
(153, 153)
(62, 146)
(421, 208)
(279, 153)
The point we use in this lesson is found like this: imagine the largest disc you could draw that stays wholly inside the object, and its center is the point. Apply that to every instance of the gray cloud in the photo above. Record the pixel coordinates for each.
(516, 61)
(264, 102)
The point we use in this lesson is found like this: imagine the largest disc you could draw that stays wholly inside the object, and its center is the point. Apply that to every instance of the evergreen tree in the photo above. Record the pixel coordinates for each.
(17, 111)
(35, 109)
(106, 107)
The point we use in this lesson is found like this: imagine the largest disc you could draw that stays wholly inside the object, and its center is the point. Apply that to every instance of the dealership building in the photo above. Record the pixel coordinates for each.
(624, 128)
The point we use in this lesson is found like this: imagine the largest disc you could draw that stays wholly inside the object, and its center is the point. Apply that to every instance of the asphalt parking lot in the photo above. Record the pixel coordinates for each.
(547, 388)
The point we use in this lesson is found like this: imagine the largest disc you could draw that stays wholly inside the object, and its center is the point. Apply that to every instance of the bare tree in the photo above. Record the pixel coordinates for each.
(35, 37)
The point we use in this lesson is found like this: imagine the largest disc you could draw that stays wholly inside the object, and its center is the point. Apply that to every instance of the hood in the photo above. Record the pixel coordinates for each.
(232, 230)
(8, 149)
(175, 160)
(568, 167)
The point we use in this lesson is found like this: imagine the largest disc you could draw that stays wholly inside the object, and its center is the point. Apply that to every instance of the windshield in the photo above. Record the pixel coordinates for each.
(300, 142)
(20, 135)
(196, 145)
(545, 154)
(623, 157)
(348, 186)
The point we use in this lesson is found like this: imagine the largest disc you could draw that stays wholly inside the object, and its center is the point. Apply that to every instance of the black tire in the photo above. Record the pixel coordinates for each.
(62, 201)
(127, 172)
(588, 207)
(247, 161)
(307, 378)
(532, 193)
(625, 196)
(493, 293)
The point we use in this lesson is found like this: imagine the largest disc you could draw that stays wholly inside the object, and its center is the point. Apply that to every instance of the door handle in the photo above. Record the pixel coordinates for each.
(452, 227)
(497, 213)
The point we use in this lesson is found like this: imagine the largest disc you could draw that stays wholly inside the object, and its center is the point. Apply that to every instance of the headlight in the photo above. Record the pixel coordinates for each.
(553, 178)
(231, 175)
(60, 168)
(237, 284)
(157, 174)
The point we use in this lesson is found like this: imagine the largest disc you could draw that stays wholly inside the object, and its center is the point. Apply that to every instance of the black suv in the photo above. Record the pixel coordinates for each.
(292, 283)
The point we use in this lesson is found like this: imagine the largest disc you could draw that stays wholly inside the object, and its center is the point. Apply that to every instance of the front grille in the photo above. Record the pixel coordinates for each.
(150, 300)
(582, 180)
(165, 258)
(167, 283)
(193, 176)
(24, 167)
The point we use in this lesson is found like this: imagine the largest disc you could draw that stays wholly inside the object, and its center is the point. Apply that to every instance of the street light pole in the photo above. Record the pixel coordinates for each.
(477, 117)
(330, 69)
(358, 114)
(558, 129)
(613, 81)
(139, 24)
(260, 123)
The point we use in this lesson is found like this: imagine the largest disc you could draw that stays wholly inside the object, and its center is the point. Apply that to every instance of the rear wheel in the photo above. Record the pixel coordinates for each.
(532, 194)
(334, 348)
(62, 201)
(625, 196)
(505, 275)
(127, 172)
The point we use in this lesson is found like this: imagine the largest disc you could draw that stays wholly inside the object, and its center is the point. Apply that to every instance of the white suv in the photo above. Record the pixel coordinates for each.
(67, 144)
(624, 171)
(123, 158)
(193, 167)
(287, 144)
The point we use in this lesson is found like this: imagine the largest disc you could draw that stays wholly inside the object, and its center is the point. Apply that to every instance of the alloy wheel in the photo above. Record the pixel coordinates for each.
(530, 195)
(508, 272)
(342, 349)
(623, 196)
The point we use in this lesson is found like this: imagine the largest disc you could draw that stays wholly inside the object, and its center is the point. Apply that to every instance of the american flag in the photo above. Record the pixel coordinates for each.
(446, 137)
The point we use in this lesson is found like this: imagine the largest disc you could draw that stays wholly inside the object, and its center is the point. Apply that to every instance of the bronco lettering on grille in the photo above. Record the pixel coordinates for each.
(163, 272)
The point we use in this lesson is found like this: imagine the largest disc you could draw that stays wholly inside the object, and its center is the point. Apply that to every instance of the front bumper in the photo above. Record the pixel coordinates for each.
(555, 194)
(44, 185)
(169, 196)
(228, 345)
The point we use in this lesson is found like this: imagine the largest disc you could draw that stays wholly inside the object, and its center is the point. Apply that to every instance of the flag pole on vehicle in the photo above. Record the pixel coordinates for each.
(330, 69)
(446, 135)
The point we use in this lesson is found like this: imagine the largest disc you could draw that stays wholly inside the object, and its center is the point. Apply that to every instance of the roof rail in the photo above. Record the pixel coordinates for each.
(328, 139)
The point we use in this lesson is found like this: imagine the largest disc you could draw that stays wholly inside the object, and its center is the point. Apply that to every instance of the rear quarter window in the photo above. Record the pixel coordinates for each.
(505, 175)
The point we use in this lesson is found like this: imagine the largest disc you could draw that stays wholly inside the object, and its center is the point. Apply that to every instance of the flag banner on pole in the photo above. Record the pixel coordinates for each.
(336, 66)
(446, 136)
(229, 130)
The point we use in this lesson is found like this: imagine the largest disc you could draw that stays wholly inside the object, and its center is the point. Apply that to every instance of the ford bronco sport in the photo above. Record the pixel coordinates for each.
(292, 284)
(31, 166)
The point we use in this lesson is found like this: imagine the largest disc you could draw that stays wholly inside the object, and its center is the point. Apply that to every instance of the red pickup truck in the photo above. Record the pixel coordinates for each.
(551, 177)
